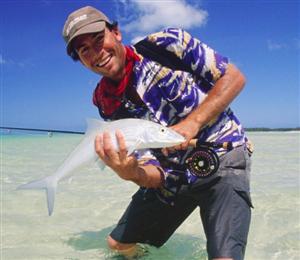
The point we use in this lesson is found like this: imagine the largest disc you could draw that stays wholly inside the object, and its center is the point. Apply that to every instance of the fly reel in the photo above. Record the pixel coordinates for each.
(203, 162)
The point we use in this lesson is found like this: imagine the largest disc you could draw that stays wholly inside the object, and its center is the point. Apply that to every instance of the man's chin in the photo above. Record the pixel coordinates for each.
(114, 75)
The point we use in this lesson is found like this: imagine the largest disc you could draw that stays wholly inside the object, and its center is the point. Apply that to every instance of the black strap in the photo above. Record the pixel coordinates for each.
(159, 54)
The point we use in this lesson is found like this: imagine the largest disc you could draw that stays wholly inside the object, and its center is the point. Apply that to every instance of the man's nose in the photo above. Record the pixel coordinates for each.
(94, 50)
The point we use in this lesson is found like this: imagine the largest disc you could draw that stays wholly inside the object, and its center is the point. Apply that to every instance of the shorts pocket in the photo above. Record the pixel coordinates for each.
(235, 159)
(245, 196)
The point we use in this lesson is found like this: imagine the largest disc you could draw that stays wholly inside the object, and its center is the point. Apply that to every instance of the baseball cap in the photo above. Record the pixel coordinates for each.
(84, 20)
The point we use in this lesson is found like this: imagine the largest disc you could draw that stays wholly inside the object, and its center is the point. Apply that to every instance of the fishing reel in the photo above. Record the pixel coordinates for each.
(203, 160)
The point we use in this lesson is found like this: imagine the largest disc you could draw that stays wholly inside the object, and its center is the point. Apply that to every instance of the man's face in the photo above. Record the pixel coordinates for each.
(102, 52)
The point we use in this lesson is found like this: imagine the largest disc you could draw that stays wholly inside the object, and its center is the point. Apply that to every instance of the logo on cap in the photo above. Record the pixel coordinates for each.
(75, 21)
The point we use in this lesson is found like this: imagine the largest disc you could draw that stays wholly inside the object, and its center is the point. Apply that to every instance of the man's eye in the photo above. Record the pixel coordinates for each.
(99, 39)
(83, 50)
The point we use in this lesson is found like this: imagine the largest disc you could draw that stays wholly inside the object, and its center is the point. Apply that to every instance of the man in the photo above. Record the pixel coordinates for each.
(192, 97)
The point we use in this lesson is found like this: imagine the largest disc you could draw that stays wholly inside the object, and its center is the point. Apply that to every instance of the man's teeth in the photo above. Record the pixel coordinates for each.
(104, 62)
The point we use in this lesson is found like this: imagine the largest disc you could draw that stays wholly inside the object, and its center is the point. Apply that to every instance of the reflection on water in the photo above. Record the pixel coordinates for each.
(87, 208)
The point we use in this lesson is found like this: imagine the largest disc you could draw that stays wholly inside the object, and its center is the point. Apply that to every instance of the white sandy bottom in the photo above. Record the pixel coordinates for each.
(87, 209)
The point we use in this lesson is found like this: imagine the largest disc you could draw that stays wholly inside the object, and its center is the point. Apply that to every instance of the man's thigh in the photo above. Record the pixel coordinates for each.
(148, 220)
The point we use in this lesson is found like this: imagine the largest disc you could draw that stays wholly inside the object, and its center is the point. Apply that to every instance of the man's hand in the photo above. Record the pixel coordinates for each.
(188, 128)
(125, 166)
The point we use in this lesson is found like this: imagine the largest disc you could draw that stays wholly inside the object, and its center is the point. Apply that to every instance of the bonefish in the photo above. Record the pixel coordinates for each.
(138, 134)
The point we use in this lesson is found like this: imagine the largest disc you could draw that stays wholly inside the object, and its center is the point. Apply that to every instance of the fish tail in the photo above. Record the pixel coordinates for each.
(48, 184)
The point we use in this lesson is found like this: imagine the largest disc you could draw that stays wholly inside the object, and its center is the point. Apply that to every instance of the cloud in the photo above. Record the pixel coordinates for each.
(46, 2)
(10, 62)
(274, 46)
(289, 44)
(143, 17)
(2, 60)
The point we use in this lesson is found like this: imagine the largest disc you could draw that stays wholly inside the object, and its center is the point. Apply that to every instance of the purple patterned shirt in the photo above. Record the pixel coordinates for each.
(170, 95)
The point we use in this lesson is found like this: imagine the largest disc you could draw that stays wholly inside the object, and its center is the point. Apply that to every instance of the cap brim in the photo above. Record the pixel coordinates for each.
(90, 28)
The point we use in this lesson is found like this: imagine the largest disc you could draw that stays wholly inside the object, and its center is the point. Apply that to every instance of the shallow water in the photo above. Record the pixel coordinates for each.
(87, 208)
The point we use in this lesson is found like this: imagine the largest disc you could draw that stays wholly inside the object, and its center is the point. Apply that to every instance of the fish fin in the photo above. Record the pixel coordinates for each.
(48, 184)
(94, 124)
(50, 191)
(100, 164)
(134, 147)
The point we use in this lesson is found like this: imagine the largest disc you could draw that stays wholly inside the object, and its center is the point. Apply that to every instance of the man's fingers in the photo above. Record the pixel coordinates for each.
(185, 145)
(122, 145)
(165, 151)
(182, 146)
(99, 145)
(108, 146)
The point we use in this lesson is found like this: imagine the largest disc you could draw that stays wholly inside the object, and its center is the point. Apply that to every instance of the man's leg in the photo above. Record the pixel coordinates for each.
(225, 208)
(226, 223)
(127, 250)
(148, 220)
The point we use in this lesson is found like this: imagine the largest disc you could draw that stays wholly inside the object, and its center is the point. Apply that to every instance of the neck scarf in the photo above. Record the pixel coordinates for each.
(108, 94)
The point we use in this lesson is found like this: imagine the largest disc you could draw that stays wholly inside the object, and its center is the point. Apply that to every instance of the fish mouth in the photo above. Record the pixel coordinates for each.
(179, 137)
(176, 140)
(104, 61)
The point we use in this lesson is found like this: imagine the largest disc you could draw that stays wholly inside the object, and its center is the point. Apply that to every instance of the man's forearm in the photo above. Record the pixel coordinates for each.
(219, 97)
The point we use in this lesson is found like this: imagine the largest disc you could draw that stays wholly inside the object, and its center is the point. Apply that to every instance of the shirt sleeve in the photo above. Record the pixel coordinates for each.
(171, 178)
(146, 157)
(195, 54)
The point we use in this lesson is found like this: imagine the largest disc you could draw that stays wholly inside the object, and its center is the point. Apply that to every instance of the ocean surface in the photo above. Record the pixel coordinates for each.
(88, 206)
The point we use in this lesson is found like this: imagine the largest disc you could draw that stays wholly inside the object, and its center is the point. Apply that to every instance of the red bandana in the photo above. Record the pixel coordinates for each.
(108, 94)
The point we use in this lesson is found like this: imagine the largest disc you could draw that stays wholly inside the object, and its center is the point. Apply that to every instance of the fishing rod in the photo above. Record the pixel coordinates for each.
(40, 130)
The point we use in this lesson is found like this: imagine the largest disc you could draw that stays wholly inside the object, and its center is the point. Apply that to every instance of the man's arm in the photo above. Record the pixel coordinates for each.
(224, 80)
(125, 166)
(219, 97)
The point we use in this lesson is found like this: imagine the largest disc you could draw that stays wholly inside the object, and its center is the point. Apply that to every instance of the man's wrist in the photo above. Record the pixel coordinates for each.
(132, 175)
(135, 175)
(196, 120)
(148, 176)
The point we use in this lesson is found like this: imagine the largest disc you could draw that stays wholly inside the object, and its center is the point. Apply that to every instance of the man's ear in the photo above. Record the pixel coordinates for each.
(117, 33)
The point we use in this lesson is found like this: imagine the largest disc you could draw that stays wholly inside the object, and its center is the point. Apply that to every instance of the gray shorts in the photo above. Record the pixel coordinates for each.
(224, 210)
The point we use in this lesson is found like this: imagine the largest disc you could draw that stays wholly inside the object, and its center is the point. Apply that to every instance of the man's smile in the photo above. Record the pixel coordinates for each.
(104, 61)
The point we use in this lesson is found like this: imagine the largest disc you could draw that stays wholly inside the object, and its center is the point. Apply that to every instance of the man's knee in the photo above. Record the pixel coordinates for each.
(115, 245)
(127, 250)
(222, 259)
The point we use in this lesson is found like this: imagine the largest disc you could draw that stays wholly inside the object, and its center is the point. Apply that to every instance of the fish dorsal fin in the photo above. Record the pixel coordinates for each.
(94, 124)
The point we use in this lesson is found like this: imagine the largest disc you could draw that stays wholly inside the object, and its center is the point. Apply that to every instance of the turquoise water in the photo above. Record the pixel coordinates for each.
(87, 208)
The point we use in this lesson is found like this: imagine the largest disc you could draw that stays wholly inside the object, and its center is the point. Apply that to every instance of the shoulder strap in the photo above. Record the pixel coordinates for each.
(161, 55)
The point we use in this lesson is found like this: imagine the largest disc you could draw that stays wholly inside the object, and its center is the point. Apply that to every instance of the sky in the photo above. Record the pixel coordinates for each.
(41, 87)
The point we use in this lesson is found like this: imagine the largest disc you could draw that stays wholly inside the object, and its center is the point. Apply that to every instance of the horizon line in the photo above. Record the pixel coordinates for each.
(80, 132)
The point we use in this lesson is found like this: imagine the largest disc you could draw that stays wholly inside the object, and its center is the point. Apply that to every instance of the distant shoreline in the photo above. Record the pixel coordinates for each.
(247, 129)
(266, 129)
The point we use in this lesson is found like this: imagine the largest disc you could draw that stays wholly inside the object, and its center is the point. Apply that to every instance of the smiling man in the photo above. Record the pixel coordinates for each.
(178, 81)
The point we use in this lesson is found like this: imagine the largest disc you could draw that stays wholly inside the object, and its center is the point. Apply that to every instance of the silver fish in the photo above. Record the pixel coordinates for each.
(138, 134)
